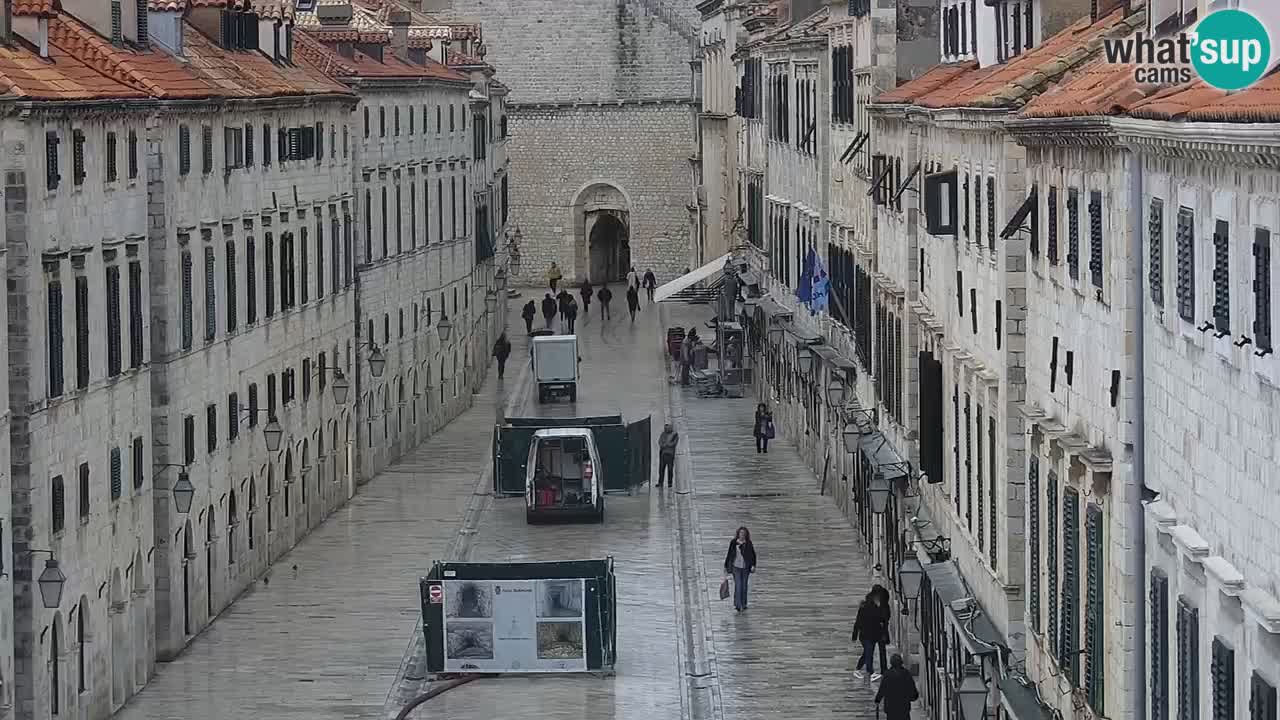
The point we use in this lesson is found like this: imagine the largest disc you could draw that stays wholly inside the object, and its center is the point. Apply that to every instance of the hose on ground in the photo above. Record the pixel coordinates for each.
(435, 690)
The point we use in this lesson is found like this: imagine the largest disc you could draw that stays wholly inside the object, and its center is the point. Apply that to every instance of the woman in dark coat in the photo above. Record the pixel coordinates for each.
(501, 351)
(586, 292)
(897, 690)
(870, 628)
(762, 429)
(740, 561)
(528, 313)
(633, 301)
(549, 307)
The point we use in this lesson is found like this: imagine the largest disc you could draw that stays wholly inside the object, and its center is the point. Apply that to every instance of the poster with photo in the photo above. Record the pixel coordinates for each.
(515, 626)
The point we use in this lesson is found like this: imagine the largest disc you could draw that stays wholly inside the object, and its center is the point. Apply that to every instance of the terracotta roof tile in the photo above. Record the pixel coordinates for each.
(35, 8)
(166, 5)
(330, 62)
(1099, 88)
(251, 74)
(457, 59)
(1013, 84)
(934, 78)
(61, 76)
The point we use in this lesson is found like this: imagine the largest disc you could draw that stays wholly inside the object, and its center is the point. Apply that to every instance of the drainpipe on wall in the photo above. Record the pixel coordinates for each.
(358, 418)
(1137, 417)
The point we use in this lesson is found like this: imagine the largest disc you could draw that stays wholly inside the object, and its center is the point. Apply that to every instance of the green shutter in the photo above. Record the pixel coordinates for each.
(1033, 541)
(1051, 556)
(116, 471)
(1159, 647)
(1068, 647)
(1262, 700)
(1222, 678)
(1188, 662)
(1095, 672)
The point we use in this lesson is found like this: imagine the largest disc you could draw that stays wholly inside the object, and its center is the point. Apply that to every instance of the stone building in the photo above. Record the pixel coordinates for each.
(724, 211)
(188, 266)
(603, 131)
(1196, 175)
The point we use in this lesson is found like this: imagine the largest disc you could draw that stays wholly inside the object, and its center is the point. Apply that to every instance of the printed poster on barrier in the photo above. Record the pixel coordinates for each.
(514, 626)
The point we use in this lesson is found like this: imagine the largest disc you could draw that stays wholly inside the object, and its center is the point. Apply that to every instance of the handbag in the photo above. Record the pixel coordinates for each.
(724, 588)
(768, 430)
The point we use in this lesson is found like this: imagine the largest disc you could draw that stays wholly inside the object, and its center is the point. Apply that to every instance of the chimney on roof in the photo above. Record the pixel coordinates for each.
(334, 15)
(399, 21)
(6, 21)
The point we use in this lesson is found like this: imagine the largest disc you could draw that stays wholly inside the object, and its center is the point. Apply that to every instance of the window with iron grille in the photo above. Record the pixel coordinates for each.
(1094, 671)
(84, 491)
(233, 417)
(139, 468)
(117, 472)
(184, 150)
(135, 313)
(1033, 541)
(114, 349)
(1073, 233)
(210, 296)
(206, 149)
(111, 157)
(303, 245)
(1158, 594)
(52, 176)
(251, 280)
(1262, 289)
(1222, 680)
(1155, 251)
(1186, 264)
(1188, 637)
(188, 439)
(1051, 557)
(54, 338)
(1222, 276)
(131, 151)
(319, 255)
(269, 272)
(82, 332)
(991, 214)
(1068, 648)
(1051, 238)
(1095, 238)
(993, 550)
(211, 427)
(58, 504)
(1262, 699)
(253, 405)
(77, 157)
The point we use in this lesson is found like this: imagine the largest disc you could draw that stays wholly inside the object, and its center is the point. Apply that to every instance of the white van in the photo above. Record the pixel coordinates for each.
(563, 476)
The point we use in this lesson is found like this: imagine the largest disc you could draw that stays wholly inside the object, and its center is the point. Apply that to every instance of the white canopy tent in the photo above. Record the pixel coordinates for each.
(666, 290)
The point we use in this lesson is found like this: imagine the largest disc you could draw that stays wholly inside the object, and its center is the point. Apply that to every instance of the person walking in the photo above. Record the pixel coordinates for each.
(650, 284)
(883, 593)
(871, 627)
(571, 315)
(548, 309)
(604, 295)
(501, 351)
(668, 441)
(633, 301)
(562, 303)
(529, 312)
(586, 292)
(763, 428)
(553, 276)
(633, 278)
(740, 562)
(897, 690)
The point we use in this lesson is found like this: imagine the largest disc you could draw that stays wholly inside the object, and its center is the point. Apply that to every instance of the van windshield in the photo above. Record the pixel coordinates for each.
(562, 476)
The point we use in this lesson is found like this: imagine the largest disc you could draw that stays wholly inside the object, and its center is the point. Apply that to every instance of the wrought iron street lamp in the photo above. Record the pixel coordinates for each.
(273, 433)
(836, 392)
(910, 575)
(972, 691)
(491, 301)
(500, 279)
(51, 581)
(183, 493)
(878, 491)
(804, 358)
(444, 328)
(377, 361)
(341, 387)
(775, 333)
(852, 437)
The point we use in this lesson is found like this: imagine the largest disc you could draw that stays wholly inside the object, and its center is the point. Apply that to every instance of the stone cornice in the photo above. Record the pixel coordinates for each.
(600, 103)
(1253, 143)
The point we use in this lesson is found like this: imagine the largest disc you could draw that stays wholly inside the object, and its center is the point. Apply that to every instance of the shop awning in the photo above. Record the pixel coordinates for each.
(771, 308)
(1020, 702)
(979, 636)
(826, 352)
(801, 336)
(877, 450)
(666, 290)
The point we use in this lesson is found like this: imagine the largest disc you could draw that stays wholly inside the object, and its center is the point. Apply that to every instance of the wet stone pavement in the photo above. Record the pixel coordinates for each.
(331, 642)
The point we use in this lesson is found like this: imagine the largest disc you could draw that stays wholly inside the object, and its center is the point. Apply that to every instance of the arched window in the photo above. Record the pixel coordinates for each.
(233, 517)
(82, 643)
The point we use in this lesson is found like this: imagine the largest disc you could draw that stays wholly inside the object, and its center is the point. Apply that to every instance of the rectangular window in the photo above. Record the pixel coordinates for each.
(206, 149)
(1188, 653)
(188, 302)
(115, 351)
(210, 296)
(135, 314)
(306, 379)
(303, 245)
(286, 270)
(1068, 648)
(1073, 233)
(266, 145)
(188, 439)
(453, 208)
(253, 405)
(382, 122)
(1222, 277)
(84, 491)
(1095, 239)
(1158, 651)
(77, 157)
(52, 177)
(1222, 680)
(54, 338)
(319, 255)
(386, 236)
(233, 417)
(395, 115)
(1095, 619)
(1186, 264)
(132, 154)
(335, 252)
(232, 148)
(232, 289)
(413, 214)
(58, 504)
(251, 280)
(399, 222)
(1051, 557)
(1262, 289)
(1051, 239)
(117, 474)
(271, 396)
(211, 427)
(269, 272)
(1262, 699)
(439, 209)
(139, 469)
(111, 157)
(82, 332)
(1155, 251)
(1033, 542)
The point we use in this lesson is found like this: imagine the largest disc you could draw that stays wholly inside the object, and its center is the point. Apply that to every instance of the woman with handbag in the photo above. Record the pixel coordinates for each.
(763, 428)
(740, 561)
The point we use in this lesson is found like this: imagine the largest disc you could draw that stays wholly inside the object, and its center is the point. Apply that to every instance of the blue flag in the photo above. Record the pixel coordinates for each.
(820, 289)
(804, 288)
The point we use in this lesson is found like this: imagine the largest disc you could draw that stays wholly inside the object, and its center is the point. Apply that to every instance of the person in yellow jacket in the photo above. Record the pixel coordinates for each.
(553, 276)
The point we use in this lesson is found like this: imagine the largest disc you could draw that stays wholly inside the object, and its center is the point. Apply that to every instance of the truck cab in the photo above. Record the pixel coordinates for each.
(563, 476)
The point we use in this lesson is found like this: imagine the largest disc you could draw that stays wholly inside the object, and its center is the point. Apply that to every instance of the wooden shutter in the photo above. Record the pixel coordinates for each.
(1033, 541)
(1155, 251)
(248, 145)
(187, 301)
(132, 146)
(58, 503)
(55, 339)
(1222, 276)
(52, 176)
(116, 472)
(1262, 289)
(1186, 264)
(968, 462)
(111, 157)
(955, 446)
(1095, 238)
(1095, 619)
(251, 280)
(1262, 699)
(77, 157)
(211, 427)
(135, 314)
(304, 247)
(993, 548)
(140, 12)
(1188, 630)
(233, 416)
(114, 349)
(991, 214)
(84, 490)
(269, 278)
(1051, 557)
(188, 439)
(1222, 680)
(1073, 233)
(210, 296)
(1158, 650)
(253, 405)
(184, 150)
(82, 331)
(206, 149)
(139, 468)
(1069, 640)
(982, 485)
(266, 145)
(233, 291)
(319, 255)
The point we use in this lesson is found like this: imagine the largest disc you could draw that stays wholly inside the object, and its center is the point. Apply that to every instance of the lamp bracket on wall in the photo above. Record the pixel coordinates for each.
(865, 420)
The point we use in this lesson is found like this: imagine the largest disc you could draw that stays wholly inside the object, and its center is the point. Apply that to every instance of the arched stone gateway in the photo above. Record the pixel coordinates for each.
(602, 233)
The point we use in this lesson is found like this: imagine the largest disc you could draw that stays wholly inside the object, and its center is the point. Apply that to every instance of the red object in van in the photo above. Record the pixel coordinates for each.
(587, 471)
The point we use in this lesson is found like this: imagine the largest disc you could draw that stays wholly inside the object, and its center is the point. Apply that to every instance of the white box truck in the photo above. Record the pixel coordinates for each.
(555, 366)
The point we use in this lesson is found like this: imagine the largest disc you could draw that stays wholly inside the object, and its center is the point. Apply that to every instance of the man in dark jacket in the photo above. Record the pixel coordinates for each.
(562, 301)
(548, 309)
(528, 313)
(604, 295)
(502, 350)
(897, 690)
(571, 315)
(650, 284)
(870, 628)
(633, 302)
(667, 443)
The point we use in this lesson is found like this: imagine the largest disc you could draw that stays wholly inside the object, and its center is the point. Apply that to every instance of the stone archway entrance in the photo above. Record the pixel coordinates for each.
(602, 229)
(609, 247)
